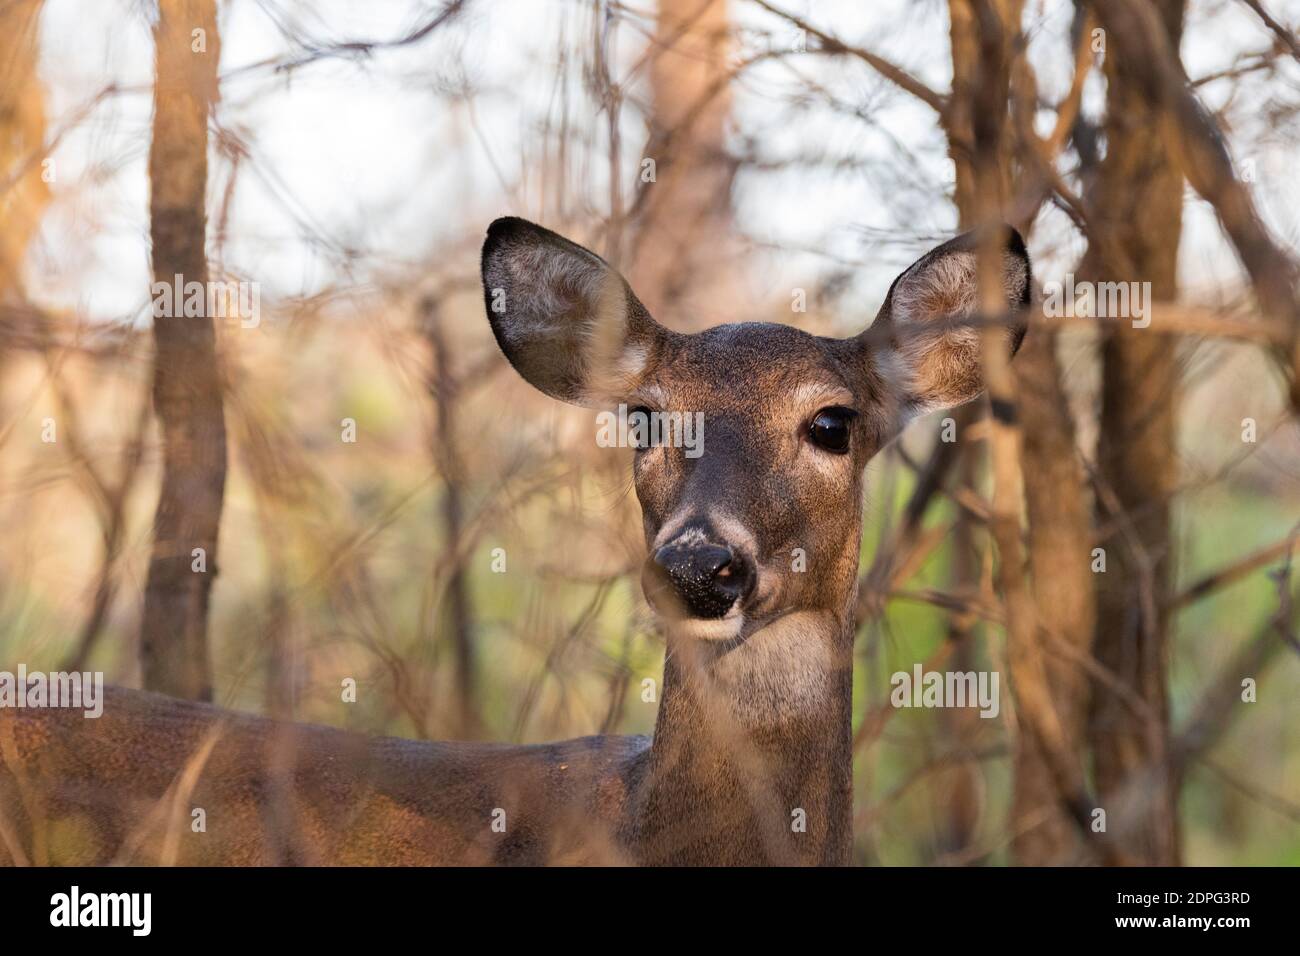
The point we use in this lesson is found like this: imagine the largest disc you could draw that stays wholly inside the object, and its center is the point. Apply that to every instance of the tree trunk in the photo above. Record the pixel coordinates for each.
(459, 616)
(22, 136)
(1055, 495)
(683, 218)
(1136, 222)
(961, 785)
(1059, 536)
(1060, 530)
(187, 384)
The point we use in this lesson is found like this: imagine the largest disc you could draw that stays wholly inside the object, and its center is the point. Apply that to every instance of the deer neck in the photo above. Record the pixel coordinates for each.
(751, 760)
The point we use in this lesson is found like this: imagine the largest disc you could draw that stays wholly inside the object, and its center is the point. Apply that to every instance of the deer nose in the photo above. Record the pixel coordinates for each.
(707, 579)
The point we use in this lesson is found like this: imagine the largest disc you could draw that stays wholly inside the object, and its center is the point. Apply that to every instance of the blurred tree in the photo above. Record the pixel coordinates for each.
(961, 786)
(187, 383)
(1134, 226)
(1057, 506)
(23, 189)
(457, 600)
(1055, 499)
(1042, 831)
(24, 170)
(683, 219)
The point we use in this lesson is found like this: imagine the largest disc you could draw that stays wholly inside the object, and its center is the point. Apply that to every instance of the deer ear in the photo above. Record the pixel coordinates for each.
(565, 319)
(924, 346)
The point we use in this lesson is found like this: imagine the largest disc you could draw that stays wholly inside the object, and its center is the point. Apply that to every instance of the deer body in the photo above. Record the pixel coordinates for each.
(753, 562)
(354, 799)
(381, 800)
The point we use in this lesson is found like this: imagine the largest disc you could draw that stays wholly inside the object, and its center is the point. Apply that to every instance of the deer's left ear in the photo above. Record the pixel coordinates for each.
(924, 346)
(565, 319)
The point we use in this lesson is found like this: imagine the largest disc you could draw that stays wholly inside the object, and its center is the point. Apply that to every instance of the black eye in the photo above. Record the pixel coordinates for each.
(638, 428)
(830, 428)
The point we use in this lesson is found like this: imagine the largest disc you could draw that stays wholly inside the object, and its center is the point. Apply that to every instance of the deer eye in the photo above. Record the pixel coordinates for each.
(829, 429)
(638, 428)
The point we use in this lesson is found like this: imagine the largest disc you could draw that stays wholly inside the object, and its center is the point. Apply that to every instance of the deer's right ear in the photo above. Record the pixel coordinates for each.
(565, 319)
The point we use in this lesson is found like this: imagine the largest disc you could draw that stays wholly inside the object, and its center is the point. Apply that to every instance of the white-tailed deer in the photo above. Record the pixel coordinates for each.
(753, 555)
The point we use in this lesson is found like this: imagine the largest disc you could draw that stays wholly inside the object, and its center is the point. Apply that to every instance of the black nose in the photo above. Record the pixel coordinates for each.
(705, 578)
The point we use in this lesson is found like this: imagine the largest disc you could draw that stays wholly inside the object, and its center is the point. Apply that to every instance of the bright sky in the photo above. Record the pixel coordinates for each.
(383, 156)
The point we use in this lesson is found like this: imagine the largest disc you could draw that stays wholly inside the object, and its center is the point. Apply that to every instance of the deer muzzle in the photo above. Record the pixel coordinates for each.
(697, 576)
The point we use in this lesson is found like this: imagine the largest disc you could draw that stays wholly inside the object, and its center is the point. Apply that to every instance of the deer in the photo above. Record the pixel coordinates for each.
(750, 761)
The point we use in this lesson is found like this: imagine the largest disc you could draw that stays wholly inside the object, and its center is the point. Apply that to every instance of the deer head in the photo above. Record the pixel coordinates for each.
(764, 520)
